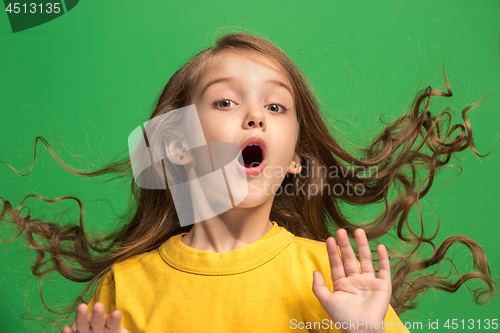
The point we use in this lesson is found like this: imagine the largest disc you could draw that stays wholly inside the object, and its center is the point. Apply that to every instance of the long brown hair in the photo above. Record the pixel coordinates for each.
(151, 218)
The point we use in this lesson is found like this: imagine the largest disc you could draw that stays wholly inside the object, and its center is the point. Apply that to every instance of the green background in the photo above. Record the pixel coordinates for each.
(88, 78)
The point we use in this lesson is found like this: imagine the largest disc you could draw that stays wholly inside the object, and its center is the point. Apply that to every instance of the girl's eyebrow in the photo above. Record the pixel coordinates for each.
(231, 79)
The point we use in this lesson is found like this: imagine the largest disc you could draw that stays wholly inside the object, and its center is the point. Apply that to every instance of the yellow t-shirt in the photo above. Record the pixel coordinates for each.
(263, 287)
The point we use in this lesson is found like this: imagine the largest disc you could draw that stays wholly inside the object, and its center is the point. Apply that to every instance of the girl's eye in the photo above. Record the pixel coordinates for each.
(223, 103)
(227, 103)
(276, 107)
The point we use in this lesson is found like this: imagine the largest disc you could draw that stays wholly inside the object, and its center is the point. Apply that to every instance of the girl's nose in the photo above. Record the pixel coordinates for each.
(255, 119)
(251, 123)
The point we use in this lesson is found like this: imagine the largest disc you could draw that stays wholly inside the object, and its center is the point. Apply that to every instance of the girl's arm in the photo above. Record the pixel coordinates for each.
(96, 320)
(357, 295)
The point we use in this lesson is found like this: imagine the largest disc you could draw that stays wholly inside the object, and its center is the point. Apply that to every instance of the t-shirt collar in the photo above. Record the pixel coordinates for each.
(185, 258)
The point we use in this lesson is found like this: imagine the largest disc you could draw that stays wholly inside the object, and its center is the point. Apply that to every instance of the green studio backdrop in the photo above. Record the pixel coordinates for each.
(88, 77)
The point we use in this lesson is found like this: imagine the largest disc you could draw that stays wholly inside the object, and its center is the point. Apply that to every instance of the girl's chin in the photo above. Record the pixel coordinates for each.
(254, 199)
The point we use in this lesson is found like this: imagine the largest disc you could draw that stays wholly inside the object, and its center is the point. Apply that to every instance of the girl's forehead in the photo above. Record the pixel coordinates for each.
(232, 63)
(231, 60)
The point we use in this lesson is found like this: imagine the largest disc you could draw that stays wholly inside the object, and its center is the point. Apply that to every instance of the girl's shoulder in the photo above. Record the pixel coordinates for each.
(309, 242)
(308, 255)
(309, 246)
(309, 250)
(138, 262)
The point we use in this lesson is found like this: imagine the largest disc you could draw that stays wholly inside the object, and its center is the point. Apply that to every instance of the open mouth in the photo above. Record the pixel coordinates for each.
(253, 153)
(252, 156)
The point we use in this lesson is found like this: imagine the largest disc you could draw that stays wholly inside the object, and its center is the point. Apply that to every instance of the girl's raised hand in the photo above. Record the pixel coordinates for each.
(96, 322)
(357, 297)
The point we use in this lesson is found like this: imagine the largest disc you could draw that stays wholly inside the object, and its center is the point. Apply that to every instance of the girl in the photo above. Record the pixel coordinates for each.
(262, 264)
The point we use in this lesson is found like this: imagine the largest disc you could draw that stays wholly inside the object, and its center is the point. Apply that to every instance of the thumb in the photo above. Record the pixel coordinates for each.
(319, 287)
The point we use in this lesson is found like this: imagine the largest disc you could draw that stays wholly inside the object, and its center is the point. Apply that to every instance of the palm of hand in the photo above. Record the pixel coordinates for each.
(359, 297)
(356, 296)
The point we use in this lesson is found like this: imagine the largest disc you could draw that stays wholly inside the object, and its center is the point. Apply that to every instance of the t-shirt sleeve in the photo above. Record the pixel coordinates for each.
(105, 293)
(392, 323)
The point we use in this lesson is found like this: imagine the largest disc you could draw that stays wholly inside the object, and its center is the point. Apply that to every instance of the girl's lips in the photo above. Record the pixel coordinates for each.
(254, 140)
(251, 171)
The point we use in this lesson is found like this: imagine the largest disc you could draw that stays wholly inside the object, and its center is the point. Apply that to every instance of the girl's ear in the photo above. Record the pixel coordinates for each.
(295, 166)
(177, 154)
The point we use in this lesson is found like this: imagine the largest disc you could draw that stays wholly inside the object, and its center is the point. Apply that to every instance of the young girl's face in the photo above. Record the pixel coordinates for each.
(243, 96)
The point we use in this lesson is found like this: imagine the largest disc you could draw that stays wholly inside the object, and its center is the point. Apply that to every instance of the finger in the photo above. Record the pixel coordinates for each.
(319, 288)
(73, 326)
(384, 271)
(82, 321)
(113, 321)
(336, 264)
(348, 257)
(67, 329)
(365, 254)
(98, 317)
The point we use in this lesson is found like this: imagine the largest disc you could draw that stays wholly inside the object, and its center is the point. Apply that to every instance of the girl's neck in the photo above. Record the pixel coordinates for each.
(231, 230)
